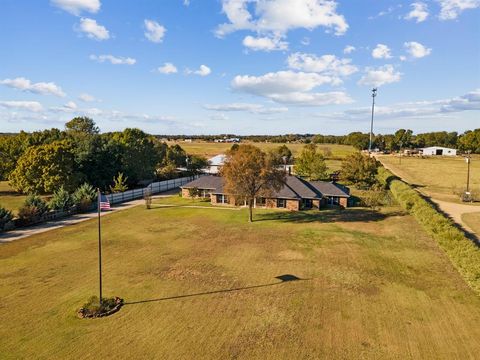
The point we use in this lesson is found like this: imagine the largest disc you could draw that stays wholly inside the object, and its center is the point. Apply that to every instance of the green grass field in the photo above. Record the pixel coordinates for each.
(436, 176)
(209, 149)
(9, 199)
(201, 284)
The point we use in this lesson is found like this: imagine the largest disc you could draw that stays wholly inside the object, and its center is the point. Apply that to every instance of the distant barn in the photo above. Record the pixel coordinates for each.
(438, 151)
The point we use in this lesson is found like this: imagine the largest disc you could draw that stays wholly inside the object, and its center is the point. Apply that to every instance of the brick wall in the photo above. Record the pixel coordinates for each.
(344, 202)
(293, 205)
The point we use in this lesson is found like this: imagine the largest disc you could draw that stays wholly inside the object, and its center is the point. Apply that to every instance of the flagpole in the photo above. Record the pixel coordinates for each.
(99, 246)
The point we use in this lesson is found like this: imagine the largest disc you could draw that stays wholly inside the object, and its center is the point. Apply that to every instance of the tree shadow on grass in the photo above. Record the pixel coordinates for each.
(327, 216)
(283, 279)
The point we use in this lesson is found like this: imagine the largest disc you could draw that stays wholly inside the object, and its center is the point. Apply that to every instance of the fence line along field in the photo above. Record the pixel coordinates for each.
(204, 283)
(439, 177)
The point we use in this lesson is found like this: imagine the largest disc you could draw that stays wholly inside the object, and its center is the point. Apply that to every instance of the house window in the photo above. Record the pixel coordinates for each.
(334, 200)
(307, 203)
(261, 201)
(226, 199)
(219, 199)
(281, 203)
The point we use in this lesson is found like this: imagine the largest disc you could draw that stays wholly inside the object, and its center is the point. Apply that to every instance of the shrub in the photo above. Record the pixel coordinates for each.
(33, 207)
(61, 200)
(84, 197)
(119, 183)
(463, 253)
(93, 308)
(5, 217)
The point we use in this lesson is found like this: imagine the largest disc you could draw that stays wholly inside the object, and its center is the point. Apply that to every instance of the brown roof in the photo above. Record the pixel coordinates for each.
(294, 188)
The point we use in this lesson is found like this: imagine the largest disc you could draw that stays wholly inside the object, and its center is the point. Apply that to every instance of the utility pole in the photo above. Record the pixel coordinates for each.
(374, 94)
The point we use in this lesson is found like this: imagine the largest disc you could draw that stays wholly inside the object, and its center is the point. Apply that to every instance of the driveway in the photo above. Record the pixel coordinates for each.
(453, 210)
(22, 233)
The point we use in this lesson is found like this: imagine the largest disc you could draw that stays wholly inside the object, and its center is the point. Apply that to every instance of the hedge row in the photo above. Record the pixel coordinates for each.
(463, 253)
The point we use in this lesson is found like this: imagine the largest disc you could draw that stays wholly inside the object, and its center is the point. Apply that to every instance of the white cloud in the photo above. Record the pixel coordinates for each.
(419, 12)
(390, 10)
(382, 52)
(451, 9)
(34, 106)
(76, 7)
(264, 43)
(305, 41)
(115, 60)
(93, 30)
(419, 109)
(247, 107)
(349, 49)
(186, 2)
(167, 68)
(326, 64)
(42, 88)
(154, 31)
(280, 16)
(86, 97)
(204, 70)
(290, 87)
(380, 76)
(416, 49)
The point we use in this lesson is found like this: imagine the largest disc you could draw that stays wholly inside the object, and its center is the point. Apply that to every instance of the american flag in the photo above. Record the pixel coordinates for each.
(104, 203)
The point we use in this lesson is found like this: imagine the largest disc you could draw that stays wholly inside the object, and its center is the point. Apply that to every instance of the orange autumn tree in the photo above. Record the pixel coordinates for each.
(249, 173)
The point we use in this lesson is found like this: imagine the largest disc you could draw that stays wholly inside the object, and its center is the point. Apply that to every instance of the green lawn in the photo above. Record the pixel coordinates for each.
(201, 284)
(209, 149)
(436, 176)
(9, 199)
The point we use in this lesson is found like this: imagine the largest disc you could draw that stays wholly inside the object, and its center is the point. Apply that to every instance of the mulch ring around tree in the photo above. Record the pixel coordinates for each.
(93, 309)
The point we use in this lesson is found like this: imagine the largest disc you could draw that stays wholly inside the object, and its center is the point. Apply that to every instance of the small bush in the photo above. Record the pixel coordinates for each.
(32, 209)
(61, 200)
(5, 217)
(84, 197)
(93, 308)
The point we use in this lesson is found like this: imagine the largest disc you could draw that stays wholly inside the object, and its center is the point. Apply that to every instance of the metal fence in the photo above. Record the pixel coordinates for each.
(154, 188)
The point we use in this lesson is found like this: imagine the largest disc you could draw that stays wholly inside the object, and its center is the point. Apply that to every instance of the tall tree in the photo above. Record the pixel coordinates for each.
(45, 168)
(359, 169)
(281, 155)
(248, 174)
(311, 164)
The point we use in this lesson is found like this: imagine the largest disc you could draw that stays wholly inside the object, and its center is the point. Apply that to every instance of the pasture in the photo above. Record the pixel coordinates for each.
(209, 149)
(437, 177)
(203, 283)
(473, 220)
(10, 199)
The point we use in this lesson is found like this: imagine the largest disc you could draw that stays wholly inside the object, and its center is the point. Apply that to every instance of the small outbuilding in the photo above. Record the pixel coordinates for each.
(438, 151)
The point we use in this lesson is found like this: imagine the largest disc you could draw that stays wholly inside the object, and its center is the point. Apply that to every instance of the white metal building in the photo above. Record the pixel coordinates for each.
(215, 163)
(439, 151)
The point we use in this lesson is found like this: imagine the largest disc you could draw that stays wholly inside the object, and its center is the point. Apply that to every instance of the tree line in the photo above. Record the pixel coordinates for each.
(401, 139)
(44, 161)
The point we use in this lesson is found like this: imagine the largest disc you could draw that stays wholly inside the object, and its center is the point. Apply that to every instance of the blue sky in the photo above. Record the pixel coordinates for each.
(240, 66)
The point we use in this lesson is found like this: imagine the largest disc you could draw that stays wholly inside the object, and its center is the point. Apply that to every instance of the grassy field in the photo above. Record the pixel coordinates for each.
(9, 199)
(473, 220)
(209, 149)
(436, 176)
(202, 284)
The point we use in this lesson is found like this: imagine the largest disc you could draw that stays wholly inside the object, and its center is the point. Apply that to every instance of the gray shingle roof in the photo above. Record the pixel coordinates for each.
(294, 188)
(330, 189)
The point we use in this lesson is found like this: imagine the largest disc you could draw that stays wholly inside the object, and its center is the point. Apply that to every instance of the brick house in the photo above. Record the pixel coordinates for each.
(296, 194)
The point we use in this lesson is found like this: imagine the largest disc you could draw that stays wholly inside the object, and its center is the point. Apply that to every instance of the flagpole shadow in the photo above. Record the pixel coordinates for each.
(283, 279)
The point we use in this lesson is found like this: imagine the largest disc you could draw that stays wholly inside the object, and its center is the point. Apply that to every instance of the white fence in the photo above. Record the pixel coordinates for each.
(155, 188)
